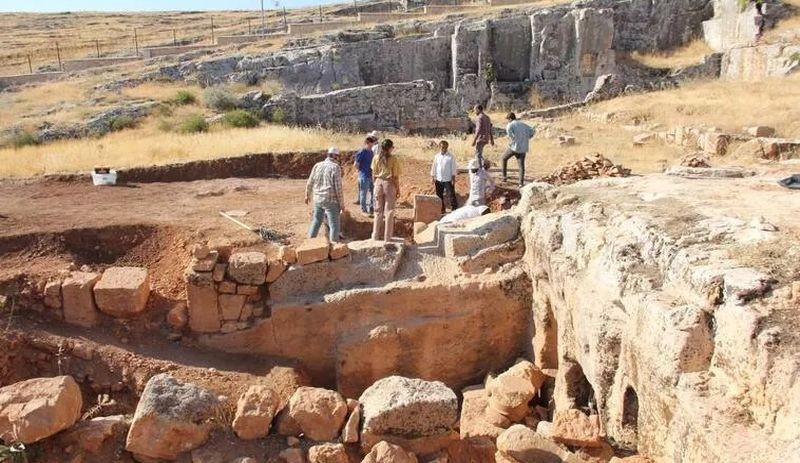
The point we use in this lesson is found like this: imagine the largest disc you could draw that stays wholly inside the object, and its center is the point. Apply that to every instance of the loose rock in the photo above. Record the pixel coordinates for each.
(384, 452)
(171, 418)
(37, 408)
(319, 413)
(254, 412)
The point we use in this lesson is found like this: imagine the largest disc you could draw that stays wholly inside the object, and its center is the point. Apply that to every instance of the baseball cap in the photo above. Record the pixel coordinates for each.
(374, 134)
(333, 150)
(474, 164)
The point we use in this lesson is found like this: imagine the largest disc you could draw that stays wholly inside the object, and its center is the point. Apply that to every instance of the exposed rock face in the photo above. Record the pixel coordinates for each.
(415, 106)
(665, 335)
(409, 407)
(37, 408)
(317, 412)
(556, 51)
(171, 418)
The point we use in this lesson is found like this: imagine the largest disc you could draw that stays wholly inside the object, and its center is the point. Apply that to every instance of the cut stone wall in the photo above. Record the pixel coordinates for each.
(152, 52)
(431, 331)
(89, 63)
(23, 79)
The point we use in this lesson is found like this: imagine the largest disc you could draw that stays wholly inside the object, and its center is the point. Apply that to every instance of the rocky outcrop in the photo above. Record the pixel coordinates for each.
(653, 326)
(412, 106)
(38, 408)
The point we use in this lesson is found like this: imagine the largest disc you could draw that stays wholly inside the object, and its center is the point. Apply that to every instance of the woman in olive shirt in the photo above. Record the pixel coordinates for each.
(386, 176)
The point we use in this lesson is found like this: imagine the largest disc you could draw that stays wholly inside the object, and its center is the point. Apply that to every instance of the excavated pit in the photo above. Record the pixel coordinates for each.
(635, 316)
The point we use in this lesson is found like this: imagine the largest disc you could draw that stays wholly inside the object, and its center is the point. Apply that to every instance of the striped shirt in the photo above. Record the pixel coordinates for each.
(325, 182)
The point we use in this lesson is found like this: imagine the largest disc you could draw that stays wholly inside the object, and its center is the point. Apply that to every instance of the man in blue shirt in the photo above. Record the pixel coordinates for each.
(519, 134)
(363, 162)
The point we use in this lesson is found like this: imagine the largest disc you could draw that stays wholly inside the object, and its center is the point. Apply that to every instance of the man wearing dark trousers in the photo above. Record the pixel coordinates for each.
(519, 135)
(443, 173)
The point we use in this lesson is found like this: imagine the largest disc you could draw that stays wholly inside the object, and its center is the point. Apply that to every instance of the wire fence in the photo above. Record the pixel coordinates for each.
(50, 55)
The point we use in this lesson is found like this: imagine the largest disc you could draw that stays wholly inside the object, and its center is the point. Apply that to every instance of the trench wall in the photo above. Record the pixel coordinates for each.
(449, 333)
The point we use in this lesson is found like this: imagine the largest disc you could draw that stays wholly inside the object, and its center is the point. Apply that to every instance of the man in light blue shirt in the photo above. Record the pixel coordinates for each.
(519, 134)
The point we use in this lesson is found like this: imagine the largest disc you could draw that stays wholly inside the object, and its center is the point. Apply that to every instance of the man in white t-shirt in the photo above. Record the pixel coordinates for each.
(443, 174)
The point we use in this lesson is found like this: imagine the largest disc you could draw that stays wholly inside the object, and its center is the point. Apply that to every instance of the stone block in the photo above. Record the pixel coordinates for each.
(426, 236)
(52, 294)
(472, 422)
(247, 290)
(200, 251)
(461, 245)
(313, 250)
(339, 250)
(287, 254)
(203, 308)
(218, 274)
(427, 208)
(350, 430)
(327, 453)
(178, 317)
(123, 291)
(226, 287)
(573, 427)
(37, 408)
(761, 131)
(205, 264)
(254, 412)
(525, 445)
(249, 268)
(231, 305)
(78, 299)
(714, 143)
(275, 269)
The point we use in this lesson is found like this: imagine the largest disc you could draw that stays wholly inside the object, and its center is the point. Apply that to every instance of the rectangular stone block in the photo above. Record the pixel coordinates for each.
(123, 291)
(339, 250)
(205, 264)
(247, 290)
(461, 245)
(231, 305)
(52, 294)
(226, 287)
(761, 131)
(218, 274)
(78, 299)
(427, 208)
(313, 250)
(203, 308)
(248, 268)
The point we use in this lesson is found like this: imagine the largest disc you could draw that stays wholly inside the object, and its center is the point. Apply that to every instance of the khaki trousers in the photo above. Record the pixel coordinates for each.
(385, 196)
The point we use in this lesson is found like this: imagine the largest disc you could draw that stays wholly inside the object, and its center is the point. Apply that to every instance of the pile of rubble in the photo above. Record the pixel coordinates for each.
(395, 420)
(592, 166)
(695, 160)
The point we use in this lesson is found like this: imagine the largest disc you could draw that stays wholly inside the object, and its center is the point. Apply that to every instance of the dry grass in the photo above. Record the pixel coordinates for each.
(729, 105)
(23, 105)
(161, 91)
(687, 55)
(787, 29)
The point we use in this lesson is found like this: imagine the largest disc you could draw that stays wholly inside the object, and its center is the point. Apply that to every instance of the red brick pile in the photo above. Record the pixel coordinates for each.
(593, 166)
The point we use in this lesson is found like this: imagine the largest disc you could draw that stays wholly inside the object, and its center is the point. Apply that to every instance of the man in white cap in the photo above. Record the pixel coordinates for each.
(325, 184)
(480, 183)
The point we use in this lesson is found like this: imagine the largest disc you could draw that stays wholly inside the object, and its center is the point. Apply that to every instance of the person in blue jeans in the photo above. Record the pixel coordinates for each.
(363, 162)
(325, 187)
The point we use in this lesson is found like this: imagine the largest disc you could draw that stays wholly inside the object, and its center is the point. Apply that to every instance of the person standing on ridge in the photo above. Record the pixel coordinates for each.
(519, 134)
(483, 134)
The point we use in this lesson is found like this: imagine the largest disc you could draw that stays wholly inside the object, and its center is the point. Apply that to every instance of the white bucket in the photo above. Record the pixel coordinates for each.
(104, 179)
